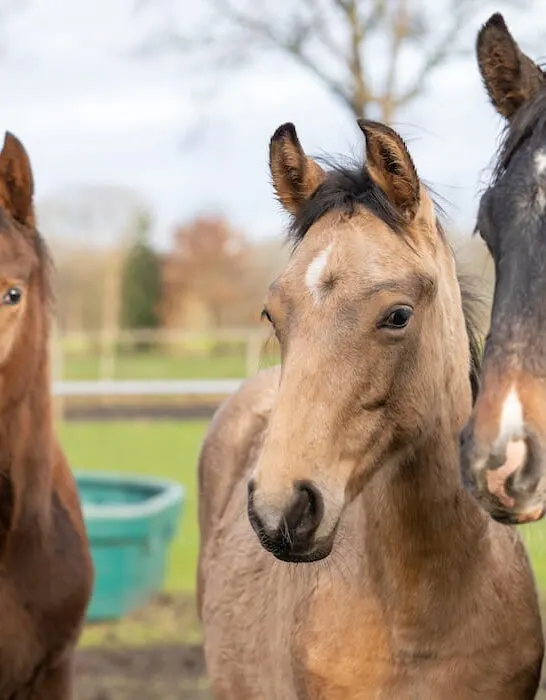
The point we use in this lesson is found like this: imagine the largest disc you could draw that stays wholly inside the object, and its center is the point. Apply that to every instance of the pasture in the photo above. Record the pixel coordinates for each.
(90, 358)
(158, 365)
(162, 642)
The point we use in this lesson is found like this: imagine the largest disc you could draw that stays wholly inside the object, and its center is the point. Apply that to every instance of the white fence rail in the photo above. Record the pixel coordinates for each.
(104, 349)
(108, 388)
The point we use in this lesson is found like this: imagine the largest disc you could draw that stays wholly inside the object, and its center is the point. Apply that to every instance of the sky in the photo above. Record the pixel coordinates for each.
(92, 114)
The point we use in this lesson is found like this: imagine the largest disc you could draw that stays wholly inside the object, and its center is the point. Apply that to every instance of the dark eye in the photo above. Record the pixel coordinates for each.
(398, 318)
(12, 297)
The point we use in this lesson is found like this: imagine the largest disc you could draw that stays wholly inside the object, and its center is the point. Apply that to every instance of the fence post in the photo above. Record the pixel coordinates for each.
(107, 358)
(111, 314)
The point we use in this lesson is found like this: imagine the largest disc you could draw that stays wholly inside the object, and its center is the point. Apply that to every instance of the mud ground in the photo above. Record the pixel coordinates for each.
(166, 673)
(153, 654)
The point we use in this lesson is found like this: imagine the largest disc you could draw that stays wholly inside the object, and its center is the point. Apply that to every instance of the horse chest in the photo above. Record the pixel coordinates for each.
(21, 650)
(343, 647)
(347, 650)
(43, 595)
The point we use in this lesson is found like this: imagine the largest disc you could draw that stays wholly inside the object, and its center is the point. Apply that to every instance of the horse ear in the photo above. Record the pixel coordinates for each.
(510, 77)
(16, 181)
(391, 167)
(295, 176)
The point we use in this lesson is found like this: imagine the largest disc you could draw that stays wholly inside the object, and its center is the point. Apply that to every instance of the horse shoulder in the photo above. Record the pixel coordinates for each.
(229, 448)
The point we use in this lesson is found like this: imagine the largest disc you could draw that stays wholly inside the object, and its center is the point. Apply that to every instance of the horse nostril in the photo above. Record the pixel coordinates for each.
(251, 487)
(306, 513)
(250, 503)
(255, 520)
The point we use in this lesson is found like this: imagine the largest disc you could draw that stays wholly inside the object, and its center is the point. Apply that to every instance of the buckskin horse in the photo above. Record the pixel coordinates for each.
(45, 566)
(504, 444)
(364, 569)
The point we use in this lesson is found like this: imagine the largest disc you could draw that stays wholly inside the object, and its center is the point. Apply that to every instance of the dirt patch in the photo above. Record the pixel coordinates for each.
(167, 621)
(156, 673)
(153, 654)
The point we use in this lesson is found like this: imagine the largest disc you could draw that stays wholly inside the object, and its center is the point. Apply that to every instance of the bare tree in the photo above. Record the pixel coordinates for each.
(375, 56)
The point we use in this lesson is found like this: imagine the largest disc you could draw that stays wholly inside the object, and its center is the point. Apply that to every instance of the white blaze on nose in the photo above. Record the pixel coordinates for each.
(540, 168)
(540, 161)
(314, 273)
(511, 423)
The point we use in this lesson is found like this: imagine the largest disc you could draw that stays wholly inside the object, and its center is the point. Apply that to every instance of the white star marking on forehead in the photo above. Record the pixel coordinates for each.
(315, 271)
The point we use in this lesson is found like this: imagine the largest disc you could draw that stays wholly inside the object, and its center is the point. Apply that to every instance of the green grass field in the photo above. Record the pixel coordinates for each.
(535, 540)
(170, 449)
(153, 365)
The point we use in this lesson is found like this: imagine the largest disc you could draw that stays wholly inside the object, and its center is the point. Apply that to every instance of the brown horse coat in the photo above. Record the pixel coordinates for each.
(45, 566)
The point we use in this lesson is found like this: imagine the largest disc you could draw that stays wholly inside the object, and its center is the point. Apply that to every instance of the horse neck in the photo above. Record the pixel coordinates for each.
(424, 532)
(26, 431)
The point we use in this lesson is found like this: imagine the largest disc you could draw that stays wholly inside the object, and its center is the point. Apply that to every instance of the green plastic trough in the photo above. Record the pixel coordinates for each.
(130, 523)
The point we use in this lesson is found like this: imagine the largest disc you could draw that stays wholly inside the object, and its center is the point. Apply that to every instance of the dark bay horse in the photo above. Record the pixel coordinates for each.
(45, 566)
(504, 444)
(364, 570)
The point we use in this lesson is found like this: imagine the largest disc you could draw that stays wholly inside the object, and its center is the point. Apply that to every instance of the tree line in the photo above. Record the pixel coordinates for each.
(212, 276)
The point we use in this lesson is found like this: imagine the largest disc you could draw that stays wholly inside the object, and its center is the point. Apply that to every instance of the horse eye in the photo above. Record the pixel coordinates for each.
(12, 297)
(398, 318)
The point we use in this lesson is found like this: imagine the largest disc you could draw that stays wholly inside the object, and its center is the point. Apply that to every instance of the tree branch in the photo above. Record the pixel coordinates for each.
(292, 44)
(320, 27)
(331, 40)
(462, 10)
(360, 95)
(400, 30)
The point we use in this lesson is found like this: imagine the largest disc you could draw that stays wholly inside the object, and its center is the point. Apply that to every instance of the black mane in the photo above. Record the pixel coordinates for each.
(529, 117)
(346, 187)
(472, 300)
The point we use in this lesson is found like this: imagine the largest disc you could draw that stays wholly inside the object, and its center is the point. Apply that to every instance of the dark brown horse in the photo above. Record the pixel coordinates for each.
(45, 566)
(364, 570)
(504, 444)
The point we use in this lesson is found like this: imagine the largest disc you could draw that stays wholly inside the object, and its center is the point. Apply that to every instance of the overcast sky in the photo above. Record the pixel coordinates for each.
(91, 114)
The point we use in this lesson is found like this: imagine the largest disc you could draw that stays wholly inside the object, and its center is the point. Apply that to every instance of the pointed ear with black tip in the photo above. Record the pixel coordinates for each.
(391, 167)
(295, 176)
(16, 181)
(510, 77)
